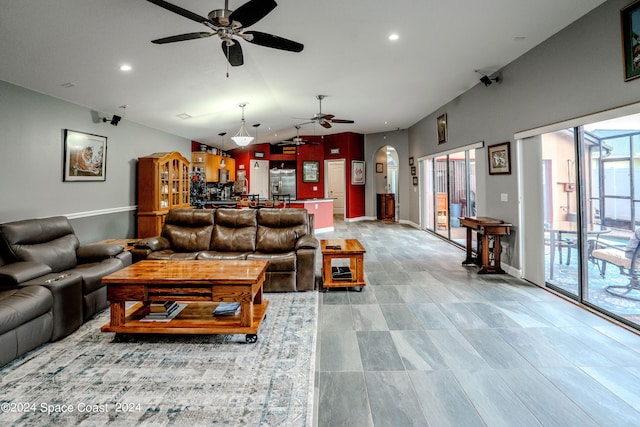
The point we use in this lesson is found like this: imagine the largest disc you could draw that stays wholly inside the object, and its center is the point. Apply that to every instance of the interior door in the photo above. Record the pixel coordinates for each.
(259, 178)
(335, 176)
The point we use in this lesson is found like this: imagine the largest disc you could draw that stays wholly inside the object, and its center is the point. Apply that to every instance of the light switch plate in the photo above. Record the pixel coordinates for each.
(504, 197)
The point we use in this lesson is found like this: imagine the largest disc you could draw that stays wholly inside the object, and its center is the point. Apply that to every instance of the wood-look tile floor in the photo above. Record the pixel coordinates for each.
(429, 342)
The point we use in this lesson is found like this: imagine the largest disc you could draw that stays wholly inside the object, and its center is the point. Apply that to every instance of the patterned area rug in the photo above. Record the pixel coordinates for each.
(171, 380)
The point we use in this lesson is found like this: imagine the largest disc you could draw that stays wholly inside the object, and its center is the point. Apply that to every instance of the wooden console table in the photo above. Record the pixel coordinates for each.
(489, 231)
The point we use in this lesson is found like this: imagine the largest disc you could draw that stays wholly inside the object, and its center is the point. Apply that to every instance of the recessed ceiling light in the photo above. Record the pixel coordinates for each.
(184, 116)
(394, 37)
(67, 85)
(519, 38)
(125, 67)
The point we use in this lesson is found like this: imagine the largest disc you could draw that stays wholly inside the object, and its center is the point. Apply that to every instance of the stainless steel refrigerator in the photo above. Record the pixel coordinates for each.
(282, 181)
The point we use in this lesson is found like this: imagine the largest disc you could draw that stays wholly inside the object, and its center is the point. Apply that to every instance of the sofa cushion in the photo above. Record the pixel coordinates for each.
(277, 262)
(49, 241)
(222, 255)
(170, 254)
(92, 273)
(234, 230)
(20, 305)
(276, 239)
(188, 230)
(18, 272)
(278, 230)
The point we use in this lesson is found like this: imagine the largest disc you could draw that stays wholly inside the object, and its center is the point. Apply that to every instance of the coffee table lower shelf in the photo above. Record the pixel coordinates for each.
(196, 318)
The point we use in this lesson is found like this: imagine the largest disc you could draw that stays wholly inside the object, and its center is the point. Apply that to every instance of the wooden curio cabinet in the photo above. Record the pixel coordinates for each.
(163, 184)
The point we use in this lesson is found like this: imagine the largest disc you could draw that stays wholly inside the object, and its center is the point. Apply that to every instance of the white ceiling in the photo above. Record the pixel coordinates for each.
(382, 85)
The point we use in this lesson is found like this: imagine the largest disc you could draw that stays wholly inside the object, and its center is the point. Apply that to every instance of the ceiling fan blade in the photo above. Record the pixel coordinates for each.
(325, 124)
(252, 11)
(233, 53)
(182, 37)
(180, 11)
(341, 121)
(327, 116)
(275, 42)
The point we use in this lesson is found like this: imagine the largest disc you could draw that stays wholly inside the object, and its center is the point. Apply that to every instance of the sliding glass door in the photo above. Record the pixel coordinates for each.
(591, 204)
(559, 205)
(449, 193)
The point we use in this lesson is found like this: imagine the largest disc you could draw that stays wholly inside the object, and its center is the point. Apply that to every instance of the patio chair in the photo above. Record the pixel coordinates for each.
(627, 260)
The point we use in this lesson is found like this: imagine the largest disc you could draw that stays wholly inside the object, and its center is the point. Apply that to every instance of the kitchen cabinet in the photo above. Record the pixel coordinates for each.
(210, 164)
(163, 184)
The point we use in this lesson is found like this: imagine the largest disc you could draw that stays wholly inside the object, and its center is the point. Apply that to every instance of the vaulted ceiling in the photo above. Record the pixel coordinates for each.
(73, 50)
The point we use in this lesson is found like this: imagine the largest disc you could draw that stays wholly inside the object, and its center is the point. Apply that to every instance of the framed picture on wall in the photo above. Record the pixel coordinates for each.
(415, 180)
(410, 161)
(379, 167)
(499, 157)
(85, 156)
(357, 172)
(310, 171)
(413, 170)
(630, 23)
(442, 128)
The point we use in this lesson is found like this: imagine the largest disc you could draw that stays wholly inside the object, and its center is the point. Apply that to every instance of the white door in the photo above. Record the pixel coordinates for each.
(336, 184)
(259, 178)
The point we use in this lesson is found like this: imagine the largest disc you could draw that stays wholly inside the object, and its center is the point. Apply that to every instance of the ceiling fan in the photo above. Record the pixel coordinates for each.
(297, 140)
(325, 120)
(229, 26)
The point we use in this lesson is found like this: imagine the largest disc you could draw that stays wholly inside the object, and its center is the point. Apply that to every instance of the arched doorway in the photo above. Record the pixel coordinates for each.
(386, 181)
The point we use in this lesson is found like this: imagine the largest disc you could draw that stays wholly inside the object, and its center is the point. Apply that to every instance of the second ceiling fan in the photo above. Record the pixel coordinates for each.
(325, 120)
(229, 26)
(297, 140)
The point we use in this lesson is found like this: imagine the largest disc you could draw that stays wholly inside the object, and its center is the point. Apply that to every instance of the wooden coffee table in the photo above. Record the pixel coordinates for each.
(201, 284)
(350, 249)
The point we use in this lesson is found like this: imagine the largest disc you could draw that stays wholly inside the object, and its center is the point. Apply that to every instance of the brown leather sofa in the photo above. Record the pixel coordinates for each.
(284, 237)
(49, 284)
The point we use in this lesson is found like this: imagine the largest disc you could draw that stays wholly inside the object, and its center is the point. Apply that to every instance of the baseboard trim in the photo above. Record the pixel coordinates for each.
(99, 212)
(511, 271)
(323, 230)
(360, 218)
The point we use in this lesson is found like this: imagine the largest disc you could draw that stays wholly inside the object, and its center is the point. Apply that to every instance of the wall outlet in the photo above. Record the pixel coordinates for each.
(504, 197)
(315, 188)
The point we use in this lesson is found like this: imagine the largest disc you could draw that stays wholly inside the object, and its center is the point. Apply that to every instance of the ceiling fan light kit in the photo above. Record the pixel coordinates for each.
(242, 138)
(230, 26)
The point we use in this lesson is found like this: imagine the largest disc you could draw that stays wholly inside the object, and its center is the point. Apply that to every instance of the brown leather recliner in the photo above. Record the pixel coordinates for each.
(284, 237)
(49, 284)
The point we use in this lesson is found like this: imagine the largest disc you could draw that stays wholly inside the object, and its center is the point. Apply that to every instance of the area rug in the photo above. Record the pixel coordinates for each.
(91, 379)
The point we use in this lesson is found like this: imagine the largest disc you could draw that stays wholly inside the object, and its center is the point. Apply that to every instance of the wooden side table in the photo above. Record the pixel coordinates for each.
(350, 249)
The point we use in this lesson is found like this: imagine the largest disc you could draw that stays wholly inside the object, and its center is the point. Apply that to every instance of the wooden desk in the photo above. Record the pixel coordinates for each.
(489, 231)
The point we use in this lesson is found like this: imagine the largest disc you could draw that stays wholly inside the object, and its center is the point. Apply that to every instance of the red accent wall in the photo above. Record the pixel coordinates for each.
(350, 146)
(310, 153)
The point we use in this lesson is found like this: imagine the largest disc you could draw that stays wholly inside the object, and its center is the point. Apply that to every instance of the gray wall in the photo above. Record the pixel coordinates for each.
(31, 164)
(576, 72)
(373, 142)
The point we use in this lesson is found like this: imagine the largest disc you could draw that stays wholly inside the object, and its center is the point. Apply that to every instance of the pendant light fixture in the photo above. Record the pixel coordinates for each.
(222, 163)
(242, 138)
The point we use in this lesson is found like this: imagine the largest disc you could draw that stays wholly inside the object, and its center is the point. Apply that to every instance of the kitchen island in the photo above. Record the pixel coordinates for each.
(322, 210)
